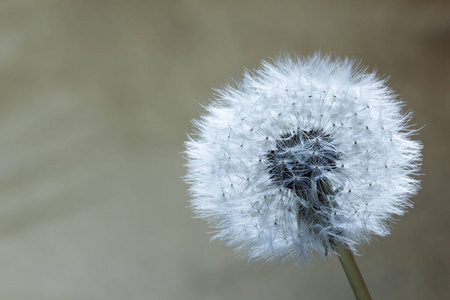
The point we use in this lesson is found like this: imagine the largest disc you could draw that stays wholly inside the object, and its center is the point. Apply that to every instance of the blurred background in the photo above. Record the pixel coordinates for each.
(96, 99)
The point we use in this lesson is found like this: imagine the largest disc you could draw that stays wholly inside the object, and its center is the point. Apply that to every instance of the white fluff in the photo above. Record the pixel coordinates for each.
(328, 122)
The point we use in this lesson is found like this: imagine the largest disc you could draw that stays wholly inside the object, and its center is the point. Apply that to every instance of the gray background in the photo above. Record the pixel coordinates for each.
(96, 101)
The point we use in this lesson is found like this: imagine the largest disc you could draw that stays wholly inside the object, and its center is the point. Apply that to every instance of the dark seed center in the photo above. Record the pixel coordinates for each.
(300, 162)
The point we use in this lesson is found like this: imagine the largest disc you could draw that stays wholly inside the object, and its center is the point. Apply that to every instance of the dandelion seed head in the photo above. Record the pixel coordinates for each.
(300, 155)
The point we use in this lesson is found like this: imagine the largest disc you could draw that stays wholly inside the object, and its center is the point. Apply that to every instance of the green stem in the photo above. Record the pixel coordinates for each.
(352, 271)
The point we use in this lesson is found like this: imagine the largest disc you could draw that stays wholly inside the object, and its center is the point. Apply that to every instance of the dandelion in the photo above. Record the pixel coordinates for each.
(304, 157)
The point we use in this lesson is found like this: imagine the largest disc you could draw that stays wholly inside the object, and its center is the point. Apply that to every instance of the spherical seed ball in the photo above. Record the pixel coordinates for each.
(301, 155)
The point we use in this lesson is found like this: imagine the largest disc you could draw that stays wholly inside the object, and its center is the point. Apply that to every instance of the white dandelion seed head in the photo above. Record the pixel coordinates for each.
(301, 155)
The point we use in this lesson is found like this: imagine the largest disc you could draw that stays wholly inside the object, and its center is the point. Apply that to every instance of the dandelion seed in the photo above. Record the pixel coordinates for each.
(292, 126)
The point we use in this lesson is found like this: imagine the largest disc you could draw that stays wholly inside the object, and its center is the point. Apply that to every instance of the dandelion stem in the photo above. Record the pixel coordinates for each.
(352, 271)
